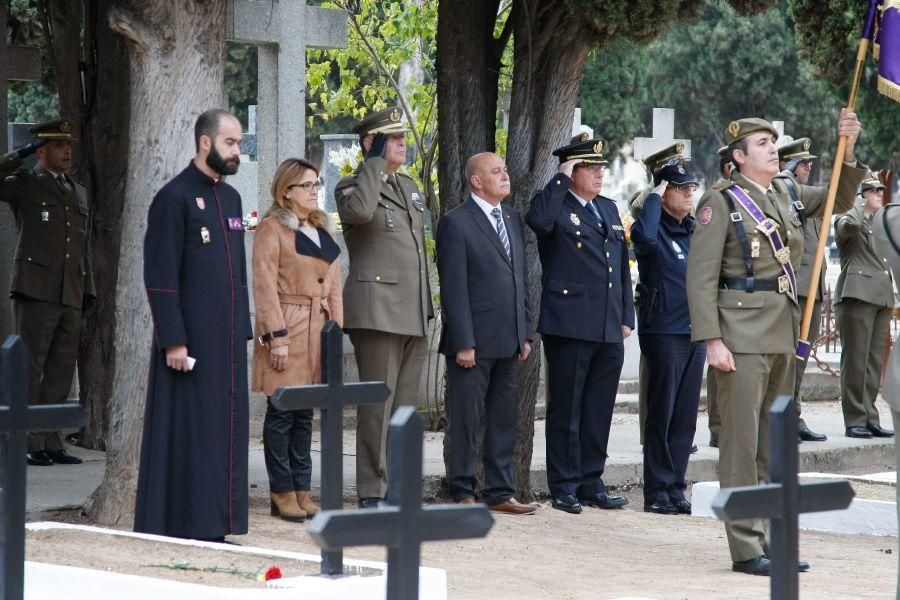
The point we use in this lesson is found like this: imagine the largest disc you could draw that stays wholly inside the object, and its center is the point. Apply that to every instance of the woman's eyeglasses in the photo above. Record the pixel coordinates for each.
(307, 187)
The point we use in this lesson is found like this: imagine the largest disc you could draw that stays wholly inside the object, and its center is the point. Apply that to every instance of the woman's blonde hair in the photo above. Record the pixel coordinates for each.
(290, 170)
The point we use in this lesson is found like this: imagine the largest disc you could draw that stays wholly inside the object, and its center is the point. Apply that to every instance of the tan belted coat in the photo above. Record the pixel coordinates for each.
(296, 286)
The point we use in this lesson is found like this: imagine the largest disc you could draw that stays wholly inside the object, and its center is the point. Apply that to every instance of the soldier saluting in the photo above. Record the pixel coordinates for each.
(742, 294)
(52, 278)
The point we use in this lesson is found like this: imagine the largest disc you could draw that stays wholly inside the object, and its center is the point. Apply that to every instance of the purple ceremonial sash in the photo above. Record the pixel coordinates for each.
(769, 228)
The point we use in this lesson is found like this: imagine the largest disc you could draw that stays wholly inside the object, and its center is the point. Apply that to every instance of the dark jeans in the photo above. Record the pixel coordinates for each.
(287, 436)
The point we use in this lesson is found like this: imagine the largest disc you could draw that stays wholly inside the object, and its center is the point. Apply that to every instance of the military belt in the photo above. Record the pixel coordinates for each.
(760, 285)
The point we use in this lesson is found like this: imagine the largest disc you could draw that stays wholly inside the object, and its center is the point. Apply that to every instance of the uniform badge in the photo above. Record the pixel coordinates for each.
(45, 216)
(204, 235)
(235, 224)
(678, 251)
(389, 218)
(754, 247)
(347, 191)
(734, 128)
(417, 200)
(705, 215)
(575, 219)
(201, 203)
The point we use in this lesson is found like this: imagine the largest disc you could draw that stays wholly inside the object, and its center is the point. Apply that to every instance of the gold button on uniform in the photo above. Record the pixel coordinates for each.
(607, 255)
(565, 292)
(610, 269)
(378, 278)
(578, 245)
(67, 256)
(29, 259)
(610, 284)
(740, 304)
(577, 233)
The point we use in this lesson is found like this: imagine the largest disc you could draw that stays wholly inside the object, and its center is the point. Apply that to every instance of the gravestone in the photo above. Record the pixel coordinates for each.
(663, 135)
(783, 499)
(331, 172)
(17, 419)
(330, 397)
(401, 523)
(283, 30)
(17, 63)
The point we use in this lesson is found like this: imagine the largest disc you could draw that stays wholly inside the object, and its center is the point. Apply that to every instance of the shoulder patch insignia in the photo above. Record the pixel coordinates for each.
(347, 191)
(705, 215)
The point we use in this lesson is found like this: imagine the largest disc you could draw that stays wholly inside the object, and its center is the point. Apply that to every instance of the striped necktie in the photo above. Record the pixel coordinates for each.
(501, 231)
(594, 211)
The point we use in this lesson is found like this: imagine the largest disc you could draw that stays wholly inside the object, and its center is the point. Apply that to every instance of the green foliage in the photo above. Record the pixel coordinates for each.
(241, 78)
(30, 101)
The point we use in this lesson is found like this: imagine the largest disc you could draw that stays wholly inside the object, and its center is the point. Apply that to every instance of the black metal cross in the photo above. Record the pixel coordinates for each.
(16, 420)
(330, 397)
(401, 524)
(783, 499)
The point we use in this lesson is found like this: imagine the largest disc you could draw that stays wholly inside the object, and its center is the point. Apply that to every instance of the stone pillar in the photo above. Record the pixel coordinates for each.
(267, 132)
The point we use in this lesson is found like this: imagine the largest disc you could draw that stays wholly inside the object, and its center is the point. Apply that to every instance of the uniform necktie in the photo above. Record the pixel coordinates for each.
(501, 231)
(61, 179)
(594, 212)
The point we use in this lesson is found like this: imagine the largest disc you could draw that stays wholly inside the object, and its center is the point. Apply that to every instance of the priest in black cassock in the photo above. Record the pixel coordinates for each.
(193, 473)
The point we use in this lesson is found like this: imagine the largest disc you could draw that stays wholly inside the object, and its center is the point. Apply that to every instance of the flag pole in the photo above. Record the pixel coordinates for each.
(804, 344)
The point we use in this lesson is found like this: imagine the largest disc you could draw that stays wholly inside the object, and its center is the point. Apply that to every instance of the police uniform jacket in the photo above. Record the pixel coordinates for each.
(865, 274)
(586, 278)
(886, 231)
(52, 260)
(761, 322)
(810, 243)
(383, 222)
(661, 245)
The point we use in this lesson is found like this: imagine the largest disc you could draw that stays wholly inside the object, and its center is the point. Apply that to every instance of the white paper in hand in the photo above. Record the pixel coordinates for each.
(191, 362)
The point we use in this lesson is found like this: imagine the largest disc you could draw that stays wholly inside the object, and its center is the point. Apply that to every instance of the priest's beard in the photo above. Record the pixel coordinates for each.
(220, 164)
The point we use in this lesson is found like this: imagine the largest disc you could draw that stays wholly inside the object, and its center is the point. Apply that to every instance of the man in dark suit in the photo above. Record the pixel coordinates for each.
(52, 280)
(486, 332)
(586, 313)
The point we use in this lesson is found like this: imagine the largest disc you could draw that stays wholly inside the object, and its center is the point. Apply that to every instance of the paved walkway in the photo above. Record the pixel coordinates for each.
(59, 487)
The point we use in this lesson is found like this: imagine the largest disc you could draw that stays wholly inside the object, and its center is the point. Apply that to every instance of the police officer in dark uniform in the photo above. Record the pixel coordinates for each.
(661, 235)
(51, 278)
(586, 312)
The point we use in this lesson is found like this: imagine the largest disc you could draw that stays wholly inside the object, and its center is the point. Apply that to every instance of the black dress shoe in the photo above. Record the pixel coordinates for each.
(859, 432)
(62, 457)
(694, 449)
(567, 503)
(369, 502)
(38, 459)
(661, 508)
(683, 506)
(879, 431)
(760, 565)
(802, 565)
(604, 500)
(713, 443)
(810, 436)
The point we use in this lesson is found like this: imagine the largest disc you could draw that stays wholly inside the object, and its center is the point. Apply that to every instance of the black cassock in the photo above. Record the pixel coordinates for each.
(193, 474)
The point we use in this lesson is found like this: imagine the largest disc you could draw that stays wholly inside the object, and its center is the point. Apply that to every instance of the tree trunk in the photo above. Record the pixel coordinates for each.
(172, 55)
(551, 47)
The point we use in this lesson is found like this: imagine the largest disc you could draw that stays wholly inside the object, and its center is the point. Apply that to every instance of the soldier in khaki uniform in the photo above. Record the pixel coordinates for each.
(796, 164)
(51, 277)
(742, 298)
(387, 299)
(863, 299)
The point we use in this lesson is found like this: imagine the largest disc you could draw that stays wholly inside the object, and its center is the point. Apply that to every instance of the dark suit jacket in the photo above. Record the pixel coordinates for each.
(587, 281)
(484, 297)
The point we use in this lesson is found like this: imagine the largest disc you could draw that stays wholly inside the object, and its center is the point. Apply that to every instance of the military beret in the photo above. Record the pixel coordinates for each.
(589, 151)
(58, 129)
(870, 183)
(675, 173)
(797, 149)
(738, 130)
(660, 158)
(388, 121)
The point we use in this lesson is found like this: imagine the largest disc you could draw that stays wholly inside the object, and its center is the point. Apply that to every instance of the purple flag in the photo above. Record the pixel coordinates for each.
(888, 49)
(868, 31)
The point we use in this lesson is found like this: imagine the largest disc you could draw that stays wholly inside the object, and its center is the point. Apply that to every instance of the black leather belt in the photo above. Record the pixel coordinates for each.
(740, 283)
(270, 336)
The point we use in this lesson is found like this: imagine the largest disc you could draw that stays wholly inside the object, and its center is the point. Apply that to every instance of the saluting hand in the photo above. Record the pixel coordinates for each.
(177, 358)
(660, 189)
(466, 358)
(567, 167)
(279, 358)
(719, 356)
(849, 125)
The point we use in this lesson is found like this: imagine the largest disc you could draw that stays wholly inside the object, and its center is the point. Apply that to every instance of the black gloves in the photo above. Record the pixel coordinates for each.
(26, 151)
(378, 147)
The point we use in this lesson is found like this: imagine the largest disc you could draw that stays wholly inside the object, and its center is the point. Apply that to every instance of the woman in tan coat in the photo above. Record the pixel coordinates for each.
(296, 287)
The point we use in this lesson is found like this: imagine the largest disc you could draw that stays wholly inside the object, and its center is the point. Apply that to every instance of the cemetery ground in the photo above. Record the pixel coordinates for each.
(597, 555)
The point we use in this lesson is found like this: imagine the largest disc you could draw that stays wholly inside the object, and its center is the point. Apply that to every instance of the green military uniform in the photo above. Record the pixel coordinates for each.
(387, 299)
(863, 299)
(654, 162)
(51, 274)
(792, 154)
(760, 328)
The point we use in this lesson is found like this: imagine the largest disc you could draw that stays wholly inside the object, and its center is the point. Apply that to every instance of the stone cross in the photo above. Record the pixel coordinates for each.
(16, 420)
(783, 499)
(401, 523)
(18, 63)
(663, 135)
(330, 397)
(283, 30)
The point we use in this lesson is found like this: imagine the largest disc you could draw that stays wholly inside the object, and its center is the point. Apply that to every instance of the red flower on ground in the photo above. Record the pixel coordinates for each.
(273, 573)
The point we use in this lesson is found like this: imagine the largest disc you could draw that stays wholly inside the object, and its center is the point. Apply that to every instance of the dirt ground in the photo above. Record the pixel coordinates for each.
(598, 555)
